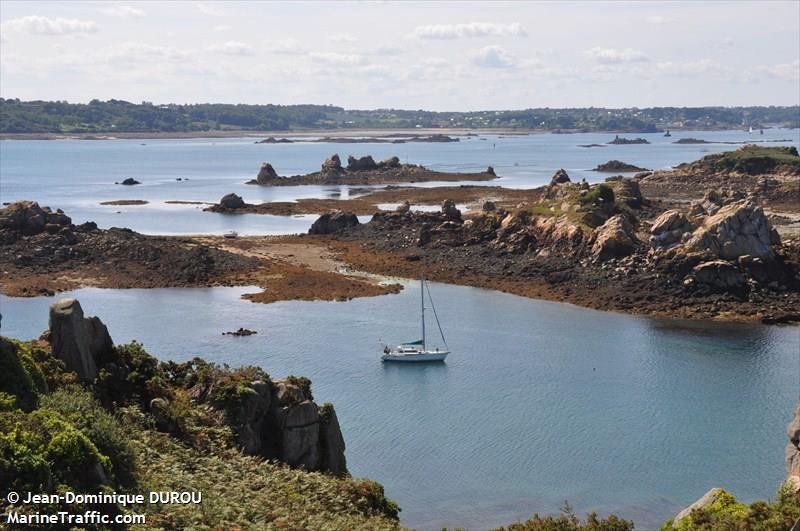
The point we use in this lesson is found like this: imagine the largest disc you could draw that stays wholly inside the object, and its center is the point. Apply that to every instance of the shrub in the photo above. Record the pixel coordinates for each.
(20, 376)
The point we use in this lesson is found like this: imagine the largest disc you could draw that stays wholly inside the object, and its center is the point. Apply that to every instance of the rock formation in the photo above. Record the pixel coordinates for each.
(333, 222)
(365, 163)
(705, 500)
(27, 218)
(404, 207)
(450, 211)
(391, 162)
(560, 177)
(266, 174)
(614, 238)
(719, 275)
(669, 228)
(737, 229)
(130, 181)
(231, 201)
(332, 164)
(626, 190)
(77, 340)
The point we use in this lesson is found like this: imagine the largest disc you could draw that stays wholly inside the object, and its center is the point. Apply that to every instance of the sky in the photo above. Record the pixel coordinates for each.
(443, 56)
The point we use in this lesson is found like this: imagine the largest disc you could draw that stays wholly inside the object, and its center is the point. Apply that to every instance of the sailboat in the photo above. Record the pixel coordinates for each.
(417, 351)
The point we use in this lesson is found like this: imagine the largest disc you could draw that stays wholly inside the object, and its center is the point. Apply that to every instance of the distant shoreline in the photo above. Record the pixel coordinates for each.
(334, 133)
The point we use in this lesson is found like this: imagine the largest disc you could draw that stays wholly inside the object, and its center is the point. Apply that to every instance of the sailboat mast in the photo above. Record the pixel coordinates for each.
(422, 300)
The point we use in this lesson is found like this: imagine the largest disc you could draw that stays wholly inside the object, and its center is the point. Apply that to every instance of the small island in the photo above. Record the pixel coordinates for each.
(622, 141)
(365, 170)
(618, 166)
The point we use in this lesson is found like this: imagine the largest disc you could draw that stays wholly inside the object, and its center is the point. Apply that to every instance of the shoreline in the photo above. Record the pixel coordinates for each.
(332, 133)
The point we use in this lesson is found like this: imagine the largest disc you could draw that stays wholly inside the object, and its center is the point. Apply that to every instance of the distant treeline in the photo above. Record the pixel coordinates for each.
(121, 116)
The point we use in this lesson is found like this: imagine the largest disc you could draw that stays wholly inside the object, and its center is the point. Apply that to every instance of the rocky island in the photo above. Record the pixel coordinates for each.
(618, 166)
(363, 171)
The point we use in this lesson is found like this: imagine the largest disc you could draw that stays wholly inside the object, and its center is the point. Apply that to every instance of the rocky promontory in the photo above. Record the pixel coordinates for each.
(365, 170)
(87, 415)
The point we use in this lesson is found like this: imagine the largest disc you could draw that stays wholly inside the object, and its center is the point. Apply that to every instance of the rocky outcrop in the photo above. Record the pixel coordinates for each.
(705, 500)
(627, 191)
(618, 165)
(77, 340)
(130, 181)
(737, 229)
(669, 229)
(618, 140)
(793, 451)
(614, 239)
(266, 174)
(391, 162)
(332, 164)
(718, 275)
(232, 202)
(333, 222)
(560, 177)
(488, 206)
(450, 211)
(27, 218)
(404, 207)
(365, 163)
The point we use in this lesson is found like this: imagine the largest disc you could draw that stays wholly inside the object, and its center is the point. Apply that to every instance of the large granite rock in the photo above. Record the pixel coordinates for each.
(669, 228)
(76, 340)
(626, 190)
(332, 164)
(450, 211)
(300, 436)
(390, 162)
(737, 229)
(560, 177)
(333, 222)
(718, 275)
(266, 174)
(232, 201)
(705, 500)
(365, 163)
(331, 442)
(27, 218)
(614, 239)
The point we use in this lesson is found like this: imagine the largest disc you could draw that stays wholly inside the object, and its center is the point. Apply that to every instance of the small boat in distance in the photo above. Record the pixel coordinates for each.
(231, 235)
(417, 351)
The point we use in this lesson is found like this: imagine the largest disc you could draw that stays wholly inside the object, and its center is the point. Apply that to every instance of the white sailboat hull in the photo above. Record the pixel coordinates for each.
(416, 357)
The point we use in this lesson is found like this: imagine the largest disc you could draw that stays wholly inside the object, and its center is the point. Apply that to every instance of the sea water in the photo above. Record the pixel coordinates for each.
(77, 175)
(538, 403)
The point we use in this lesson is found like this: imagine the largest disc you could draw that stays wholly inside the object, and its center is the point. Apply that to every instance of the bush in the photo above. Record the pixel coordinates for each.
(569, 522)
(103, 428)
(20, 376)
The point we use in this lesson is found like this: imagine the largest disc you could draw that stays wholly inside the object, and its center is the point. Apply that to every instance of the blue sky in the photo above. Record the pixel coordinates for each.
(435, 55)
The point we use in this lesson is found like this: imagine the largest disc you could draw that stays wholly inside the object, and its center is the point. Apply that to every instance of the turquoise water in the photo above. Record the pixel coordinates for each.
(76, 175)
(539, 402)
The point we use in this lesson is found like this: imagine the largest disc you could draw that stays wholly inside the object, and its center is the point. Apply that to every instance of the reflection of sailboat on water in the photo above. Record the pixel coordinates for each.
(417, 351)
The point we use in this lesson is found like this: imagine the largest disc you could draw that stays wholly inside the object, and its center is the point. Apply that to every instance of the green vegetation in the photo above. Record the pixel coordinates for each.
(727, 513)
(121, 116)
(569, 522)
(751, 160)
(140, 429)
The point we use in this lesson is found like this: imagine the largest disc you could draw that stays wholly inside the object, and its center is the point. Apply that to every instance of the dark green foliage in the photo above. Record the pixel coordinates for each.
(39, 447)
(727, 513)
(569, 522)
(104, 429)
(602, 193)
(20, 376)
(121, 116)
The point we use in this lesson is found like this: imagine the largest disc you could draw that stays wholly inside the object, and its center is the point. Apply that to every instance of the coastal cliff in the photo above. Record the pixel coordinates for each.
(132, 422)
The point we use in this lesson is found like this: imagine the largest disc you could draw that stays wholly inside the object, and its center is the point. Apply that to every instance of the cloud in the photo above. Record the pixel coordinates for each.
(702, 67)
(141, 52)
(614, 56)
(286, 46)
(493, 57)
(788, 71)
(232, 48)
(333, 58)
(388, 50)
(472, 29)
(658, 19)
(40, 25)
(223, 27)
(123, 12)
(342, 37)
(210, 10)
